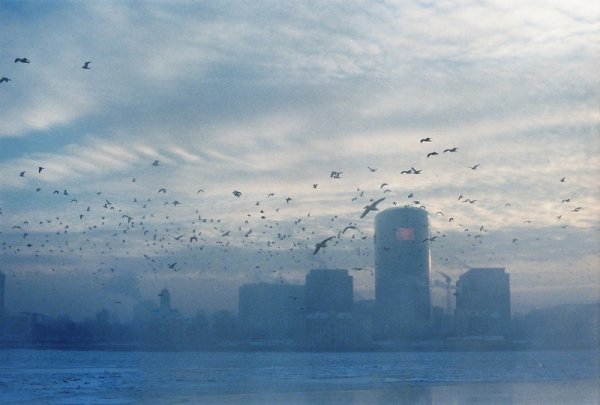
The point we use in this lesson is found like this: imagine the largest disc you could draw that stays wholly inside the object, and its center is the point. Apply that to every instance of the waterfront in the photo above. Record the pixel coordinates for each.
(93, 377)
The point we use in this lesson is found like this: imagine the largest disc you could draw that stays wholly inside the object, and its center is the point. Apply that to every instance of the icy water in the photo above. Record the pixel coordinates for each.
(88, 377)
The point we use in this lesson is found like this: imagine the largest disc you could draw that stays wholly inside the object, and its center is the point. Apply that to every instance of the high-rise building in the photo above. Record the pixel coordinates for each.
(328, 290)
(2, 280)
(402, 273)
(271, 311)
(483, 303)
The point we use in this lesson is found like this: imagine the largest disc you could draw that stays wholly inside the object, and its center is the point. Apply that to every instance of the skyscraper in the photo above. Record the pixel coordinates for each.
(483, 303)
(2, 279)
(402, 273)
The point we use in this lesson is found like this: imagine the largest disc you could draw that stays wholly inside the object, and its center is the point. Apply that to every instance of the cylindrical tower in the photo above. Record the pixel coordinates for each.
(402, 273)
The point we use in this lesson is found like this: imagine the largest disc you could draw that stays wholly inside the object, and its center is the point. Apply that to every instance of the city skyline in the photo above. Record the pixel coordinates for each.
(206, 146)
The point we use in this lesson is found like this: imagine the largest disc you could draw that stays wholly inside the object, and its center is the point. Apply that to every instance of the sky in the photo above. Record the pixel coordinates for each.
(185, 102)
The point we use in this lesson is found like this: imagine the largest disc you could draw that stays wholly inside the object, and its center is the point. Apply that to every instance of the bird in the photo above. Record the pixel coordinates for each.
(22, 174)
(566, 200)
(432, 154)
(450, 150)
(474, 167)
(237, 193)
(350, 227)
(425, 140)
(562, 180)
(86, 65)
(288, 199)
(172, 265)
(155, 163)
(415, 171)
(22, 60)
(315, 185)
(382, 185)
(40, 168)
(4, 79)
(335, 175)
(371, 207)
(322, 244)
(162, 190)
(371, 169)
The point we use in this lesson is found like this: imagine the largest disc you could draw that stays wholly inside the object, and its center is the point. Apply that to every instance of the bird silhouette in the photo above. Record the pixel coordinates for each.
(335, 175)
(86, 65)
(474, 167)
(322, 244)
(432, 154)
(22, 174)
(155, 163)
(4, 80)
(425, 140)
(371, 169)
(22, 60)
(371, 207)
(450, 150)
(237, 193)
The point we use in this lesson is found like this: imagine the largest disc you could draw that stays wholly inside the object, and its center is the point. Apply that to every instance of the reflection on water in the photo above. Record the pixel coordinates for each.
(30, 376)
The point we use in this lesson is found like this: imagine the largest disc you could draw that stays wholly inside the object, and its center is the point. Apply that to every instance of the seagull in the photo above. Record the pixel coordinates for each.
(350, 227)
(474, 167)
(335, 175)
(172, 265)
(425, 140)
(315, 185)
(22, 174)
(382, 185)
(162, 190)
(288, 199)
(415, 171)
(86, 65)
(450, 150)
(237, 193)
(322, 244)
(432, 154)
(371, 207)
(4, 80)
(155, 163)
(371, 169)
(22, 60)
(566, 200)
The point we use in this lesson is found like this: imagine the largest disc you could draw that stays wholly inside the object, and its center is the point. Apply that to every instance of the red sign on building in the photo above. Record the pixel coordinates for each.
(405, 233)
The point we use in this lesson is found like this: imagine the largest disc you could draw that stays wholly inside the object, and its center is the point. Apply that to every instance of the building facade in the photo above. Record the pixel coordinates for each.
(483, 303)
(402, 273)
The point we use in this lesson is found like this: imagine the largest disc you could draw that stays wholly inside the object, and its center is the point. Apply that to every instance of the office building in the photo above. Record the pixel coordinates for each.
(483, 303)
(402, 273)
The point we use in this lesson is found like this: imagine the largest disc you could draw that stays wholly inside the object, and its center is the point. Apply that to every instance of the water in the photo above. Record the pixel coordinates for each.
(74, 377)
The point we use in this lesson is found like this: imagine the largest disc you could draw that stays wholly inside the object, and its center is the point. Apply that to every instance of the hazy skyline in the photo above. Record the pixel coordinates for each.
(271, 98)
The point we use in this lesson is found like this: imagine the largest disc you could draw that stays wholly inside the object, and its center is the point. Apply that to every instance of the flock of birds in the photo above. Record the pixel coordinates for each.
(146, 232)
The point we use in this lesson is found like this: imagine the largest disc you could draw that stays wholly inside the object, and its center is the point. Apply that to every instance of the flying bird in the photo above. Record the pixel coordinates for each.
(371, 169)
(450, 150)
(22, 60)
(425, 140)
(4, 80)
(162, 190)
(382, 185)
(86, 65)
(432, 154)
(237, 193)
(22, 174)
(335, 175)
(172, 265)
(371, 207)
(474, 167)
(350, 227)
(562, 180)
(155, 163)
(322, 244)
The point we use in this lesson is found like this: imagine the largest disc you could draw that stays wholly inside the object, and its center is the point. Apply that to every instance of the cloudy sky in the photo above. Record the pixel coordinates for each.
(268, 98)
